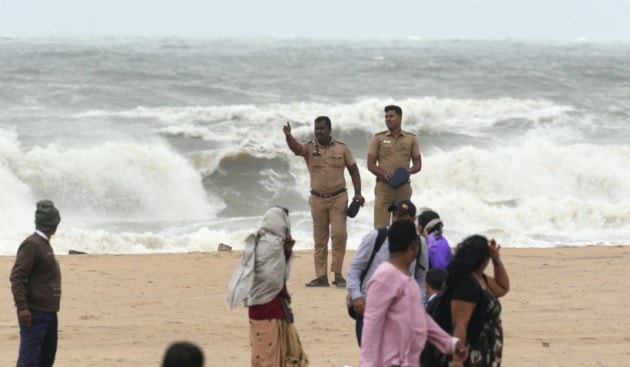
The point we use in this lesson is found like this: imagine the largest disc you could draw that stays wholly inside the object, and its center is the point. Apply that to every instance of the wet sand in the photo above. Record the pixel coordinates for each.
(566, 307)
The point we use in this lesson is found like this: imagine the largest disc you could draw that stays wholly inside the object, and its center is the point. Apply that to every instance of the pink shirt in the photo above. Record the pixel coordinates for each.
(395, 324)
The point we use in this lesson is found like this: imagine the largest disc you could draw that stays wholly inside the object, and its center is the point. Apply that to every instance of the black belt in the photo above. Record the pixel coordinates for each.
(327, 195)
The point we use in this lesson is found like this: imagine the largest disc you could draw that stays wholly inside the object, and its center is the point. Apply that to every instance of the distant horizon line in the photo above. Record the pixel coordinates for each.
(9, 36)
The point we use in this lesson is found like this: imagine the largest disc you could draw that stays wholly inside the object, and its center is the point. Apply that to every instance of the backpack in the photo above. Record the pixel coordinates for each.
(440, 253)
(439, 309)
(378, 243)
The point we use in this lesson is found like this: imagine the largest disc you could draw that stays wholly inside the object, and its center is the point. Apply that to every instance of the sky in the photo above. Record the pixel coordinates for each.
(476, 19)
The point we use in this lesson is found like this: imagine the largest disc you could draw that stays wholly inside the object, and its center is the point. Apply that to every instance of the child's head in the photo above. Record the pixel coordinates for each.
(434, 280)
(429, 222)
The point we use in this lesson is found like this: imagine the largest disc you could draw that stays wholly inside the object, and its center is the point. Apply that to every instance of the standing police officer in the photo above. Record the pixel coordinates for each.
(326, 159)
(391, 149)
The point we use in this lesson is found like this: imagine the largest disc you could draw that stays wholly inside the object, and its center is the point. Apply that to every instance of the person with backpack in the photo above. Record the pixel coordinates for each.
(396, 325)
(433, 283)
(372, 252)
(439, 250)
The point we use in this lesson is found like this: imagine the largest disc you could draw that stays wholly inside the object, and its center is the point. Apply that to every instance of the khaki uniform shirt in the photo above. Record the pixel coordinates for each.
(327, 168)
(393, 152)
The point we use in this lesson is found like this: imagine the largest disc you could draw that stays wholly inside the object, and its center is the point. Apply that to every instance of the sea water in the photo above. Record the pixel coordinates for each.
(176, 144)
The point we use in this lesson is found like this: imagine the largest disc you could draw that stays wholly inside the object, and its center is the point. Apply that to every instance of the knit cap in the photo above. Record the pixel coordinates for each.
(46, 215)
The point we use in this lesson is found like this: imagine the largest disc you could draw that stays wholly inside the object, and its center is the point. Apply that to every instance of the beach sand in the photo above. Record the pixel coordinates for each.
(566, 307)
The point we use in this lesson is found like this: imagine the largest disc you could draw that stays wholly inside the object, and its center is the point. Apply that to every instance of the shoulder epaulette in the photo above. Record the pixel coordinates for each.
(407, 132)
(339, 141)
(382, 132)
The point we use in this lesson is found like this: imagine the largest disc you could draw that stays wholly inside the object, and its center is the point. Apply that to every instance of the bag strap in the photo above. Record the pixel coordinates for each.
(418, 265)
(378, 243)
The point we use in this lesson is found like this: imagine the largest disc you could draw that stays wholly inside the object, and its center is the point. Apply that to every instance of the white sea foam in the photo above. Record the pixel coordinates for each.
(119, 179)
(160, 155)
(427, 113)
(115, 181)
(535, 192)
(16, 196)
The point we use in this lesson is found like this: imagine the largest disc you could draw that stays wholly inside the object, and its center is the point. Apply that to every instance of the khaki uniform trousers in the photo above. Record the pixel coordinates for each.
(384, 196)
(329, 220)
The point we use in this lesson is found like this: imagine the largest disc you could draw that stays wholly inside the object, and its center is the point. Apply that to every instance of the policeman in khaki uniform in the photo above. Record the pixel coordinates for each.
(391, 149)
(326, 159)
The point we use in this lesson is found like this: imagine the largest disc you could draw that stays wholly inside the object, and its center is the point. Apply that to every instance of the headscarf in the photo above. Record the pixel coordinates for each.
(263, 269)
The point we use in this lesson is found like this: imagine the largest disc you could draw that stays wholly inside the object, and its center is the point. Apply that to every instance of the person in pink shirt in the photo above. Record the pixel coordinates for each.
(395, 324)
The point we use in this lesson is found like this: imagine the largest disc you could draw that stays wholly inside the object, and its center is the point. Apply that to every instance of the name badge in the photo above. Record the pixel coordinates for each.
(386, 142)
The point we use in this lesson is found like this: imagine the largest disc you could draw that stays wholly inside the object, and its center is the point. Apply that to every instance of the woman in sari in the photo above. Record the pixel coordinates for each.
(260, 284)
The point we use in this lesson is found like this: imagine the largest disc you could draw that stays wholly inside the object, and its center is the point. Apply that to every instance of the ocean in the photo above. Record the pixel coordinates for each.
(152, 145)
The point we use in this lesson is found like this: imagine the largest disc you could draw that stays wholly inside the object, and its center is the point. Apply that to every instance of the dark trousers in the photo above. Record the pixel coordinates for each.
(358, 327)
(38, 342)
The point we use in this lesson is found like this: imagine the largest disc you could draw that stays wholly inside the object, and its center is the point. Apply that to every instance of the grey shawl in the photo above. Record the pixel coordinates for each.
(263, 269)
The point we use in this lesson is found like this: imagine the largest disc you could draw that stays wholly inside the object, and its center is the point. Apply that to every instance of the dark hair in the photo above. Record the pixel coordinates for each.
(425, 217)
(183, 354)
(435, 278)
(437, 230)
(469, 255)
(394, 108)
(401, 235)
(326, 119)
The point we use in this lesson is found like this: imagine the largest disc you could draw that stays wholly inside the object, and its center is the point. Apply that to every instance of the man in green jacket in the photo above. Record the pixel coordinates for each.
(36, 287)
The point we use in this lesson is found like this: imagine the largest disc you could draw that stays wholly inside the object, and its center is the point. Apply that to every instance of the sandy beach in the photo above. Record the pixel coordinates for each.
(566, 307)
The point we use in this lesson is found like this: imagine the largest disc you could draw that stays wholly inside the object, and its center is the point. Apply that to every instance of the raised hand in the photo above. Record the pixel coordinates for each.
(287, 129)
(494, 249)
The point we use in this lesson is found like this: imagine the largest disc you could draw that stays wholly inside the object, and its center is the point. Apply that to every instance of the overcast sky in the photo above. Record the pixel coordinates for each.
(529, 19)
